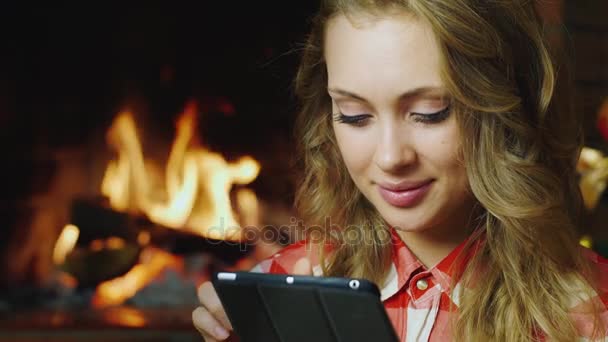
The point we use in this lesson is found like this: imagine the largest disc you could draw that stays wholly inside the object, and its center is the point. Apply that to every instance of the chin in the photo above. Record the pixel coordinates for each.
(407, 223)
(408, 228)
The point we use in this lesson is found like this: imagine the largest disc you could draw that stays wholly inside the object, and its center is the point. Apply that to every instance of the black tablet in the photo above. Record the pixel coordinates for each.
(291, 308)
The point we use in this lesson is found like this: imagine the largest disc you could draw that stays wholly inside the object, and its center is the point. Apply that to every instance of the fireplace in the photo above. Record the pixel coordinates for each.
(144, 151)
(130, 252)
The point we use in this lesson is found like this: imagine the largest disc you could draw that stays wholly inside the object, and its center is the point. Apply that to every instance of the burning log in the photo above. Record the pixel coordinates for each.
(96, 221)
(91, 267)
(111, 244)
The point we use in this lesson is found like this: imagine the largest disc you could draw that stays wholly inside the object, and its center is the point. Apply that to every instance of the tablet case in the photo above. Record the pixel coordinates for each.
(284, 308)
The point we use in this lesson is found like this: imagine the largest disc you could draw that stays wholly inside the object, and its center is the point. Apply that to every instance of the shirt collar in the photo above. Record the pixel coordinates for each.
(405, 265)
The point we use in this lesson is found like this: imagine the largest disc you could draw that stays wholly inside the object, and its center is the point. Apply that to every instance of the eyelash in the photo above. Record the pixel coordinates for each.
(359, 120)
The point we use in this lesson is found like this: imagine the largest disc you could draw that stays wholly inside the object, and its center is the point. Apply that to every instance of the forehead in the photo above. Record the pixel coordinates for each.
(381, 57)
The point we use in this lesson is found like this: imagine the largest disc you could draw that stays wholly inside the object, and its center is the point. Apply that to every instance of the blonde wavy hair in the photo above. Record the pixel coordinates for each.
(520, 149)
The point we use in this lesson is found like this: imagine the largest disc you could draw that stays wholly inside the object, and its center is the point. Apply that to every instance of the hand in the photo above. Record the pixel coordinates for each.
(211, 320)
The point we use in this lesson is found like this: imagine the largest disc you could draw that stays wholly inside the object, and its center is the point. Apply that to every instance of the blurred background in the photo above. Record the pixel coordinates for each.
(128, 131)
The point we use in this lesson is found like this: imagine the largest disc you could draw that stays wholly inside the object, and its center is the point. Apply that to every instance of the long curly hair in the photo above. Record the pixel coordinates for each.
(520, 149)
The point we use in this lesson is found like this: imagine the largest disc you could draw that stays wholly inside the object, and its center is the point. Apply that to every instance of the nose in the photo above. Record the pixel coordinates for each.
(394, 151)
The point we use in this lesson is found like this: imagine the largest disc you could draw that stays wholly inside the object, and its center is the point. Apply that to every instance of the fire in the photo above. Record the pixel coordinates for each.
(124, 316)
(247, 203)
(152, 262)
(197, 182)
(65, 243)
(143, 238)
(194, 194)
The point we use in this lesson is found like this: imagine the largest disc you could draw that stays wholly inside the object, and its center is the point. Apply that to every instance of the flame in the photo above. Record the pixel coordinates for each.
(143, 238)
(125, 316)
(67, 280)
(65, 243)
(217, 219)
(115, 243)
(97, 245)
(247, 203)
(115, 291)
(195, 196)
(130, 165)
(112, 242)
(197, 181)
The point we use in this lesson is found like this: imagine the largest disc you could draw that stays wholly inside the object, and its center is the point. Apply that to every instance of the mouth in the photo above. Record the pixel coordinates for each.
(404, 194)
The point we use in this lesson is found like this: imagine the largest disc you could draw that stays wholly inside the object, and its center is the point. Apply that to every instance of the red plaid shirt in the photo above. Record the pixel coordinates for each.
(418, 299)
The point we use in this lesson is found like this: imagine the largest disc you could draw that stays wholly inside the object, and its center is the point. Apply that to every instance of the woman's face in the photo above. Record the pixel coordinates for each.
(393, 123)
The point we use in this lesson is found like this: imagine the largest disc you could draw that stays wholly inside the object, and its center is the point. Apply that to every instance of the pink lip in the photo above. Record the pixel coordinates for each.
(404, 194)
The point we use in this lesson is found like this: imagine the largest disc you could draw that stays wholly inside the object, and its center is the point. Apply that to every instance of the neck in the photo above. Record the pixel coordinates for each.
(431, 248)
(432, 245)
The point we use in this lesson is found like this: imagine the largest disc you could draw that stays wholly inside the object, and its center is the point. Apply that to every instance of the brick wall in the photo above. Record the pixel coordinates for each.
(586, 22)
(580, 29)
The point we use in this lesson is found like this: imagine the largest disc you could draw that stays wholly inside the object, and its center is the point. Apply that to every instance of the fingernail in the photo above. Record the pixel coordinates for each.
(221, 333)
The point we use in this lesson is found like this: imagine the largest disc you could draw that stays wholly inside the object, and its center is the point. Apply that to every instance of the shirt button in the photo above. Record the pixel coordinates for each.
(422, 284)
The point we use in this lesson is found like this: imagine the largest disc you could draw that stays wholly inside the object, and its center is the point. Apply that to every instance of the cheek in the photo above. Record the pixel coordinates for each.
(442, 148)
(452, 162)
(449, 153)
(355, 147)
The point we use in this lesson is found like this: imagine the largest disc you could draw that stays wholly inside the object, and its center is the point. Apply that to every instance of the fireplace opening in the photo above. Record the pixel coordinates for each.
(145, 148)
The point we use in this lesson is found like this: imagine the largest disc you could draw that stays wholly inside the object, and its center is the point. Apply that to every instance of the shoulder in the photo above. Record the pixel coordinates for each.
(284, 260)
(600, 267)
(585, 299)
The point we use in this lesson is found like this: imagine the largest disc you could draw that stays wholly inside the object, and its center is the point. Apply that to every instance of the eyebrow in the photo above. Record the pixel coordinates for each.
(416, 92)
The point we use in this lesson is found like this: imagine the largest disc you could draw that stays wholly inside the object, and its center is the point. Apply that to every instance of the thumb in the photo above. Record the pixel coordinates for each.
(302, 267)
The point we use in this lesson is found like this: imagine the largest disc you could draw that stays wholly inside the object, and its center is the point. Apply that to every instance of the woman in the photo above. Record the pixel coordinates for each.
(433, 125)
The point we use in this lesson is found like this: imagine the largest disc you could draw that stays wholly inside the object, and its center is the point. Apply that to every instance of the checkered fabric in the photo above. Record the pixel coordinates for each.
(418, 299)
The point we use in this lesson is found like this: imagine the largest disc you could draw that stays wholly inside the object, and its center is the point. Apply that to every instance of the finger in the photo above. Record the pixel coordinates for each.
(208, 297)
(205, 323)
(207, 337)
(302, 267)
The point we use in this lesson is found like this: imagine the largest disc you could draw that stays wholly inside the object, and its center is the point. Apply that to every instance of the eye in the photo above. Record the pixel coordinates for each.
(354, 120)
(431, 118)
